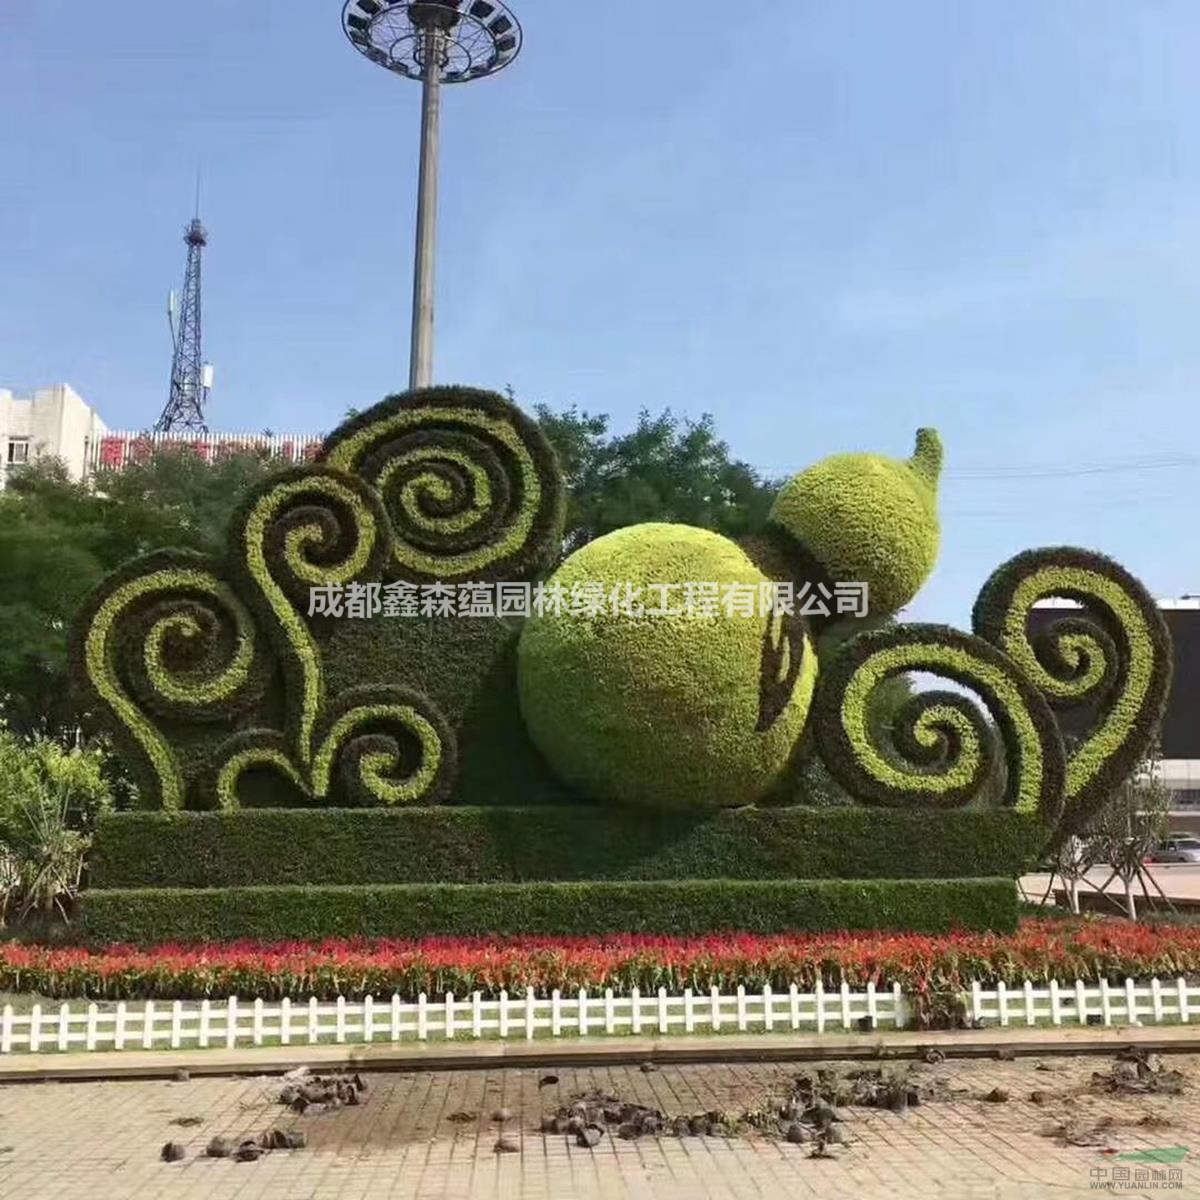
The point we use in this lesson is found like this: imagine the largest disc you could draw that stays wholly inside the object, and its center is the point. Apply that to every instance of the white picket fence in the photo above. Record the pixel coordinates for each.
(233, 1023)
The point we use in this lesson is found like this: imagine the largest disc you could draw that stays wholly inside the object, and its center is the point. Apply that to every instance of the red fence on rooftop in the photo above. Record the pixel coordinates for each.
(117, 450)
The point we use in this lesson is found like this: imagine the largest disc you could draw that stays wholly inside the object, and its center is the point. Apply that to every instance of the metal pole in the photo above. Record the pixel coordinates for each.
(420, 370)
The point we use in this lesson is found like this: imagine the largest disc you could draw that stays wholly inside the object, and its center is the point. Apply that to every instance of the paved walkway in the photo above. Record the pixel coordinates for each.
(102, 1140)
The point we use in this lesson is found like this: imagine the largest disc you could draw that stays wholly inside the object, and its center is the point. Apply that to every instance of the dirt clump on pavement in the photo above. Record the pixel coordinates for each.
(809, 1112)
(301, 1092)
(326, 1092)
(1139, 1072)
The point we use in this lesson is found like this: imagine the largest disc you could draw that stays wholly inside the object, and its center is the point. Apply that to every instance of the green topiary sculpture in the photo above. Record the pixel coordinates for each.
(662, 668)
(701, 709)
(869, 519)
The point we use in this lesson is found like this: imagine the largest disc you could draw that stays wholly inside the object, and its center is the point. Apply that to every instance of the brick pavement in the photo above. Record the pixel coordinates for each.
(101, 1140)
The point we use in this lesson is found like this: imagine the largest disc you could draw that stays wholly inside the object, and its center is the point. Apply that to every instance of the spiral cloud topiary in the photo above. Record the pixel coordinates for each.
(449, 483)
(941, 751)
(1112, 656)
(162, 641)
(470, 484)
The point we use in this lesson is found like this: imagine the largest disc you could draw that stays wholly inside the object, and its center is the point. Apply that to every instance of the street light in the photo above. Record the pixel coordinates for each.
(436, 41)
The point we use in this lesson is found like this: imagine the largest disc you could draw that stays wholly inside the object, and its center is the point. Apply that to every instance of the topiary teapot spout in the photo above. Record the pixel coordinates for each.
(926, 460)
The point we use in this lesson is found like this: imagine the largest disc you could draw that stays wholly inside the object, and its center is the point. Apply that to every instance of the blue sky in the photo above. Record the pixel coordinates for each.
(826, 227)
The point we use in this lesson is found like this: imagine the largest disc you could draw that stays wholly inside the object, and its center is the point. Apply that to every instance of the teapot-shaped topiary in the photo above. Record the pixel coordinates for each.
(705, 707)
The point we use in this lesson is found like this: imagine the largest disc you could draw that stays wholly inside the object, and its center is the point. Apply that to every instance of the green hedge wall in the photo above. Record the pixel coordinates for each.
(677, 907)
(481, 845)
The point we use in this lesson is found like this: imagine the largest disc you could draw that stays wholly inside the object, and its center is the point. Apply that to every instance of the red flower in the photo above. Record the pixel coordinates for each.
(935, 967)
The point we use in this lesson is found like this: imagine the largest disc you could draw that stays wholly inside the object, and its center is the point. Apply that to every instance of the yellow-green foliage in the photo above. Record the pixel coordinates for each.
(658, 710)
(869, 519)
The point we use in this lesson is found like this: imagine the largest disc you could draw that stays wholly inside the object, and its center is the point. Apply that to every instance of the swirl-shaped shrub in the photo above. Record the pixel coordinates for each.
(940, 751)
(470, 484)
(305, 528)
(388, 745)
(376, 746)
(166, 640)
(1113, 657)
(696, 710)
(869, 519)
(255, 750)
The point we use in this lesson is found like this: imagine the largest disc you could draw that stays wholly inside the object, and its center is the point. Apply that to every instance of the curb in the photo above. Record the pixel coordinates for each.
(727, 1048)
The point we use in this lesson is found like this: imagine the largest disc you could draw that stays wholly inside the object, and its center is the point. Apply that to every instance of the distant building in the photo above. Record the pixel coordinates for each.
(1180, 735)
(58, 422)
(53, 422)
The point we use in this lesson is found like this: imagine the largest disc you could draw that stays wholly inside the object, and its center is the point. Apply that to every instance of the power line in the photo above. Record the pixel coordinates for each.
(1069, 506)
(1159, 462)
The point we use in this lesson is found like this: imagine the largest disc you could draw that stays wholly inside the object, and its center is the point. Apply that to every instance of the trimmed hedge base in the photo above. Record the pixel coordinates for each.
(286, 913)
(254, 847)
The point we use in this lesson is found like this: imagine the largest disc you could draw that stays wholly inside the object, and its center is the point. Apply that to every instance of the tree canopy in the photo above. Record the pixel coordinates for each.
(665, 469)
(59, 538)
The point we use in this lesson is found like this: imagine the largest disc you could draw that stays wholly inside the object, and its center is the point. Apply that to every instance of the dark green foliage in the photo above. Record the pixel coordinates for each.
(666, 469)
(467, 668)
(676, 907)
(502, 844)
(1112, 658)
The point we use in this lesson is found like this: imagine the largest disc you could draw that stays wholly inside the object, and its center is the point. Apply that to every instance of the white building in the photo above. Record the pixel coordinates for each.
(53, 422)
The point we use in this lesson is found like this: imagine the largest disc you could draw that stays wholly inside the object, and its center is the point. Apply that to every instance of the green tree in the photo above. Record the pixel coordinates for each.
(59, 538)
(665, 469)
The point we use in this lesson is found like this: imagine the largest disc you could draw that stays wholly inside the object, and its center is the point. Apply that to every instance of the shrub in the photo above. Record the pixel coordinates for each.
(570, 842)
(690, 906)
(49, 801)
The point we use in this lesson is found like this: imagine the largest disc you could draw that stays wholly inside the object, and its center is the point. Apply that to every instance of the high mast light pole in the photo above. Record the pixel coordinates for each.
(436, 42)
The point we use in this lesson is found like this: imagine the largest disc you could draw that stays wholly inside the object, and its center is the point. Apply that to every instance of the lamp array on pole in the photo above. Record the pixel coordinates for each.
(436, 42)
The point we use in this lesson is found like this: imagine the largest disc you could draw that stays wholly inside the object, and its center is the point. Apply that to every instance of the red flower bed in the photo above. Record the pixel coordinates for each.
(1041, 950)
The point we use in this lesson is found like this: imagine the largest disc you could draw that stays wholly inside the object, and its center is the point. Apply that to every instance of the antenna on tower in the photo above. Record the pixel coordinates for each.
(191, 376)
